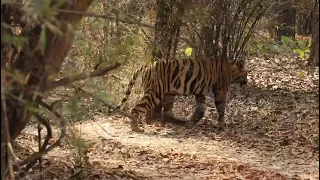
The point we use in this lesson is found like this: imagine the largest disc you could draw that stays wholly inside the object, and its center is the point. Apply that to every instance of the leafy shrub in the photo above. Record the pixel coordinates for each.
(299, 46)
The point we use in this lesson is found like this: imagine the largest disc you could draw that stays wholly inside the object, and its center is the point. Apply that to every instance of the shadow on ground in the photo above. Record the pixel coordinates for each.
(278, 124)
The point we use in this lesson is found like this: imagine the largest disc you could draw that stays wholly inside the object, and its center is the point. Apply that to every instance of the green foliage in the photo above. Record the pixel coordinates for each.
(81, 146)
(287, 45)
(43, 39)
(17, 41)
(103, 42)
(73, 104)
(75, 109)
(35, 109)
(288, 42)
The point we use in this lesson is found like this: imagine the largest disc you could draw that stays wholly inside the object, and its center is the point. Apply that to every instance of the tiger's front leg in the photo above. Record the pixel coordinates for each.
(134, 124)
(200, 108)
(145, 103)
(167, 115)
(220, 96)
(167, 102)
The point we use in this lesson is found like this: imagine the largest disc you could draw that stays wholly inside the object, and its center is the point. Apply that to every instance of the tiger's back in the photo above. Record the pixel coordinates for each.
(185, 76)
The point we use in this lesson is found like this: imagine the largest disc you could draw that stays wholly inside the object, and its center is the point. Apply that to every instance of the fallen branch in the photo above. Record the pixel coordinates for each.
(81, 76)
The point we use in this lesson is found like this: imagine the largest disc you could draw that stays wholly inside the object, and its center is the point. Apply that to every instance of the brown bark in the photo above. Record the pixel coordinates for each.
(35, 65)
(314, 52)
(304, 23)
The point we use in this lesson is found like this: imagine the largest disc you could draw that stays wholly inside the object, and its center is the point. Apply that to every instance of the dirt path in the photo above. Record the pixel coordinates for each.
(154, 154)
(220, 150)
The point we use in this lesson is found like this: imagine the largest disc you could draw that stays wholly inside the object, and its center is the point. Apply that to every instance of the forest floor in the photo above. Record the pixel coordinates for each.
(272, 133)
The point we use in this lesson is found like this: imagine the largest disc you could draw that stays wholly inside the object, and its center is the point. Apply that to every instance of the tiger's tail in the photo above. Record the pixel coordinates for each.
(131, 84)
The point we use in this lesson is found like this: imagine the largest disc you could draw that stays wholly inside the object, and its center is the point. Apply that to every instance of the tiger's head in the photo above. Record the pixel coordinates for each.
(239, 73)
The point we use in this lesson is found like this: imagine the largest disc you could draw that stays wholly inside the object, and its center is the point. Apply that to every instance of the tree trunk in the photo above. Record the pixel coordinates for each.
(286, 21)
(167, 31)
(314, 52)
(35, 66)
(304, 23)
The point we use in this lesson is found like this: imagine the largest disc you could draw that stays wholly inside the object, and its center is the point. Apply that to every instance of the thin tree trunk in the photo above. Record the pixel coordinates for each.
(167, 31)
(314, 53)
(304, 23)
(286, 21)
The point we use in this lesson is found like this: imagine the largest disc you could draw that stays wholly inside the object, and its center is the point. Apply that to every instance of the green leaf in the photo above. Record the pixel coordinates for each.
(274, 48)
(18, 41)
(301, 74)
(73, 104)
(309, 42)
(43, 39)
(33, 108)
(284, 39)
(289, 42)
(251, 50)
(188, 51)
(91, 19)
(301, 52)
(302, 44)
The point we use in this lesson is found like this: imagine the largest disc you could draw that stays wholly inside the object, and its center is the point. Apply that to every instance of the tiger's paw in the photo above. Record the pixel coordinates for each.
(136, 128)
(149, 121)
(196, 117)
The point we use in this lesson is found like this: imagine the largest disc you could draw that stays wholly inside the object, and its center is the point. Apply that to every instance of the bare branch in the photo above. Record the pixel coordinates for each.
(81, 76)
(6, 162)
(103, 16)
(45, 143)
(63, 129)
(85, 93)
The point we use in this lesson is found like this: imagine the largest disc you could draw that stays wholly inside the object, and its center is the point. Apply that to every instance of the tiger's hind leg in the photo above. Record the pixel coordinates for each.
(167, 115)
(220, 96)
(145, 103)
(200, 108)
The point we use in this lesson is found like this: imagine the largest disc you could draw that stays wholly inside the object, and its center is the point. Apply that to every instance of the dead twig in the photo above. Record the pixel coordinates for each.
(103, 16)
(63, 129)
(43, 121)
(81, 76)
(113, 107)
(90, 14)
(42, 172)
(39, 148)
(6, 162)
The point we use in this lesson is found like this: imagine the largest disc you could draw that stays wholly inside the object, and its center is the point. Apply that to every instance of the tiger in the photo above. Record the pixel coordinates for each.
(164, 79)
